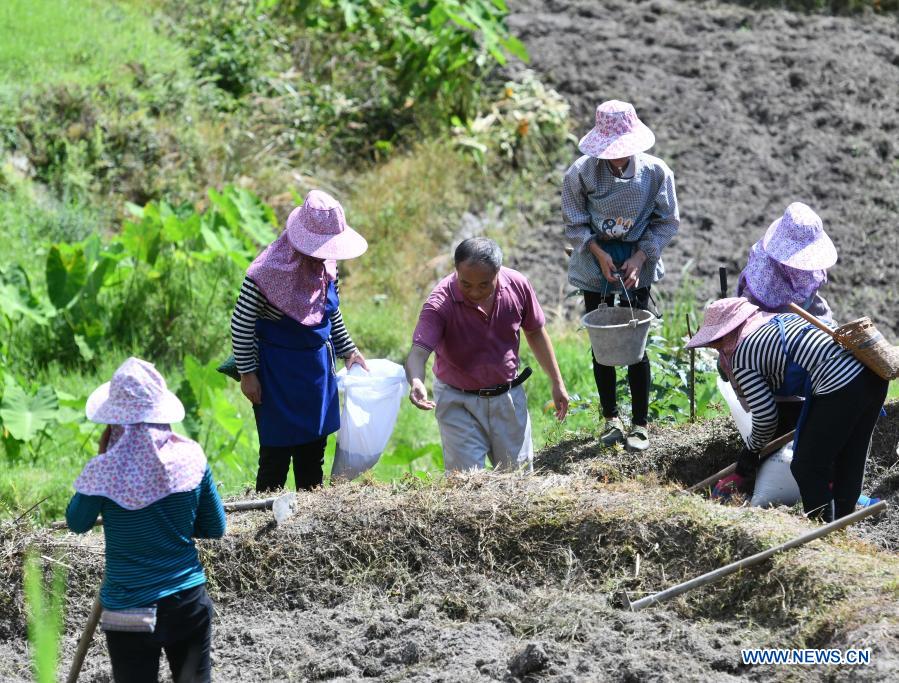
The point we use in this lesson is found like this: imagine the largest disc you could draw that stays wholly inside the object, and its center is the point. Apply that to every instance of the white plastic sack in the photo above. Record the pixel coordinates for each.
(742, 419)
(371, 403)
(774, 483)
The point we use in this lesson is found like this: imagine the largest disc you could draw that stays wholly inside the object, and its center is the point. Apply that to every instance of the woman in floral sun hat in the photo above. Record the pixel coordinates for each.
(620, 211)
(789, 264)
(287, 331)
(155, 492)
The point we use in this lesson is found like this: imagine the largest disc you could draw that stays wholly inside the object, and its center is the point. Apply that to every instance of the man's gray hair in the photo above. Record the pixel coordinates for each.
(479, 250)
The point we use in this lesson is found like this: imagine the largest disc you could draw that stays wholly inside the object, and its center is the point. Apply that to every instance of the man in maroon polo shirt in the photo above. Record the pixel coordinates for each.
(471, 322)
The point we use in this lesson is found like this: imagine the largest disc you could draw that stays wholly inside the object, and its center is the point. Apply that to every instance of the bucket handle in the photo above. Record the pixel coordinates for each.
(633, 321)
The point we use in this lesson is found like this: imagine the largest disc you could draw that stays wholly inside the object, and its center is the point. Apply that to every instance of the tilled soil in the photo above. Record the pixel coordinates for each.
(425, 585)
(687, 454)
(752, 110)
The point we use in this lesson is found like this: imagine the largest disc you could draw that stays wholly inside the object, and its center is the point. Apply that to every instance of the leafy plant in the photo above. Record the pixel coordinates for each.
(526, 119)
(44, 607)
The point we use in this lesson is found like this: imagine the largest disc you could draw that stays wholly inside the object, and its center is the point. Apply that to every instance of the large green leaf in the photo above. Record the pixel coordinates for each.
(24, 415)
(66, 273)
(204, 381)
(142, 241)
(14, 302)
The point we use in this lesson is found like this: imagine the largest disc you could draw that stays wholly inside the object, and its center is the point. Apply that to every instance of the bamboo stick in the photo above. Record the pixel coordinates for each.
(85, 641)
(236, 506)
(775, 445)
(801, 312)
(692, 388)
(717, 574)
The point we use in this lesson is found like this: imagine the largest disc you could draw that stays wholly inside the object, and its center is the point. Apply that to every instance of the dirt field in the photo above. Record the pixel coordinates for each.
(516, 579)
(510, 578)
(752, 110)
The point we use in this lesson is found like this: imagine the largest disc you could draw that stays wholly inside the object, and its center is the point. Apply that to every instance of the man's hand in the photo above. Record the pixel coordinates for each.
(104, 440)
(419, 396)
(249, 385)
(560, 400)
(630, 269)
(606, 264)
(355, 358)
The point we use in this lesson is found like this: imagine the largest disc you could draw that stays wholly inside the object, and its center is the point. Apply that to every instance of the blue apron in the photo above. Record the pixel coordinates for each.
(299, 381)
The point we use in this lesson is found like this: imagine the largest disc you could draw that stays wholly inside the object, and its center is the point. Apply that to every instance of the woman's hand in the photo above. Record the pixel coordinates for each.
(251, 388)
(355, 358)
(606, 264)
(419, 396)
(104, 440)
(631, 268)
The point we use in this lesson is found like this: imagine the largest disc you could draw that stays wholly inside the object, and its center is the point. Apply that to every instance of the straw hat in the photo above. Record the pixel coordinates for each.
(137, 393)
(618, 132)
(797, 239)
(319, 229)
(721, 318)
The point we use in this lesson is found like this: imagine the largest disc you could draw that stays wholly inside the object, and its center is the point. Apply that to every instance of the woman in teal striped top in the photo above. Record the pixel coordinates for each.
(155, 491)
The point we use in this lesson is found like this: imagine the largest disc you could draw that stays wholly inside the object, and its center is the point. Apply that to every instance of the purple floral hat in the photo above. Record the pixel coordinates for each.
(319, 229)
(797, 239)
(618, 132)
(137, 393)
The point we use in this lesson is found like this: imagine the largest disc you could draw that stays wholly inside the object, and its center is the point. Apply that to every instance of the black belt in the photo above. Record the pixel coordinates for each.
(500, 389)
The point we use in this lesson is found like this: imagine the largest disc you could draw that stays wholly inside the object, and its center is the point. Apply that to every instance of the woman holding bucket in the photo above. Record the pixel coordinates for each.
(768, 355)
(155, 492)
(287, 331)
(620, 211)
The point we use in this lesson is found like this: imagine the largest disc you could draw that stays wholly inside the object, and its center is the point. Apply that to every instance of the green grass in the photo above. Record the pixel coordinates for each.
(81, 42)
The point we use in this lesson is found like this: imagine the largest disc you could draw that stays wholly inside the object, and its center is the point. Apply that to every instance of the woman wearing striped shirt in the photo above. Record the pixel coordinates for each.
(767, 355)
(287, 331)
(155, 492)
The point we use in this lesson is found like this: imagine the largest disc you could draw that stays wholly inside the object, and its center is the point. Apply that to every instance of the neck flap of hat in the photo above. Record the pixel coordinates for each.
(292, 282)
(144, 463)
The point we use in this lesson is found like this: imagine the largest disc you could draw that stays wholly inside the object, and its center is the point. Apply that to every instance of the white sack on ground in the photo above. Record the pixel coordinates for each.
(774, 483)
(371, 403)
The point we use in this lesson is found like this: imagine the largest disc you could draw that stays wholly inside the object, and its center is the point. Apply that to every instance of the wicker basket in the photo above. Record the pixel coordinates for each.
(868, 345)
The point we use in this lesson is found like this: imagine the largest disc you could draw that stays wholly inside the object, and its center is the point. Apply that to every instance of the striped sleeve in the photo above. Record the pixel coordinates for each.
(250, 303)
(760, 400)
(210, 521)
(82, 512)
(340, 337)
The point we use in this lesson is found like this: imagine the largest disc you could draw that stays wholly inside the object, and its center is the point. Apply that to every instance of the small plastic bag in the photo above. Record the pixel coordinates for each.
(371, 404)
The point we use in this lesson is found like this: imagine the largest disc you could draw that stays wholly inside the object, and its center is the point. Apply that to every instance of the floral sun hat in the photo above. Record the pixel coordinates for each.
(144, 463)
(618, 132)
(797, 239)
(318, 228)
(136, 393)
(775, 285)
(295, 284)
(724, 316)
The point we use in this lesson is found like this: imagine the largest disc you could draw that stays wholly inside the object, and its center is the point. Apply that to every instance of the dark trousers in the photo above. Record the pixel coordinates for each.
(308, 461)
(638, 375)
(183, 630)
(833, 446)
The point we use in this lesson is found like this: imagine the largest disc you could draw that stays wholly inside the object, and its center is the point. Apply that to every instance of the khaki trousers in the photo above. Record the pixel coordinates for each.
(474, 429)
